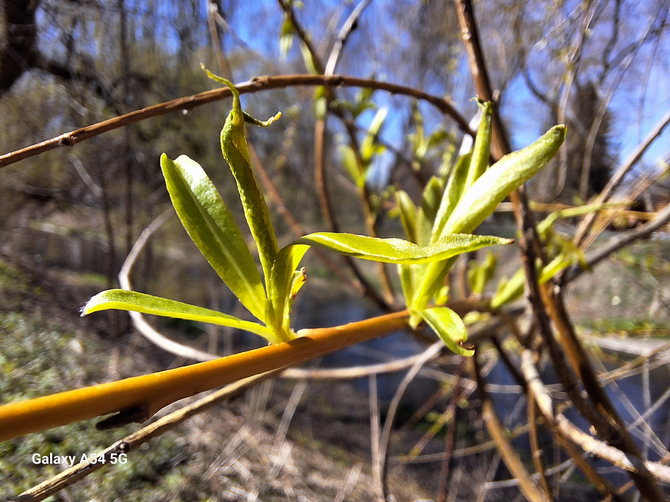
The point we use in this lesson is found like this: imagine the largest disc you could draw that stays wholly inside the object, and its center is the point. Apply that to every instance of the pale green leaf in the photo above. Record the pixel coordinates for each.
(430, 203)
(121, 299)
(449, 327)
(451, 196)
(407, 215)
(501, 179)
(482, 147)
(514, 288)
(351, 165)
(398, 250)
(214, 231)
(368, 149)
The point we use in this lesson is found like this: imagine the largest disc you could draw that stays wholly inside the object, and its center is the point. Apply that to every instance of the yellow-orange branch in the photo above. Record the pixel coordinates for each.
(152, 392)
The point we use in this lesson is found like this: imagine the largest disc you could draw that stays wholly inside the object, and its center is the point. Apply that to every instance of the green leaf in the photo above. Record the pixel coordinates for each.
(452, 194)
(368, 145)
(120, 299)
(514, 288)
(449, 327)
(283, 286)
(351, 165)
(308, 59)
(398, 250)
(480, 273)
(236, 152)
(430, 203)
(501, 179)
(407, 215)
(286, 37)
(407, 282)
(482, 148)
(214, 231)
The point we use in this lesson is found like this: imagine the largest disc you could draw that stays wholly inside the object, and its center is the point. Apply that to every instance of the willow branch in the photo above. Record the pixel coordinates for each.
(257, 84)
(149, 393)
(136, 439)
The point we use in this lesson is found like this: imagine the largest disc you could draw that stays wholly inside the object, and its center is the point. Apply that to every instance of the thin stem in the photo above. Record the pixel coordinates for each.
(619, 174)
(255, 85)
(509, 454)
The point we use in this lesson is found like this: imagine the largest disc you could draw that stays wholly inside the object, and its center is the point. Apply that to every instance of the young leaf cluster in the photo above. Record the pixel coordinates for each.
(268, 293)
(470, 194)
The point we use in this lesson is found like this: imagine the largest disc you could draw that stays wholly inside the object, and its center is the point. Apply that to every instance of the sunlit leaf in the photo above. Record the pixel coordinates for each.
(449, 327)
(368, 145)
(398, 250)
(120, 299)
(451, 196)
(351, 165)
(501, 179)
(512, 289)
(481, 272)
(430, 203)
(214, 231)
(407, 215)
(286, 37)
(481, 150)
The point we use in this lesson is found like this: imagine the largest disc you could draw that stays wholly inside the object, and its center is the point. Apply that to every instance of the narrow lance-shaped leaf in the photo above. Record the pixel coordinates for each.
(214, 231)
(121, 299)
(451, 196)
(482, 148)
(430, 204)
(407, 215)
(236, 152)
(449, 327)
(501, 179)
(368, 144)
(398, 250)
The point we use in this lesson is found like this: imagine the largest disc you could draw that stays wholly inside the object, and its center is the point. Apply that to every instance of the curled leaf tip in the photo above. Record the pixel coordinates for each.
(262, 123)
(216, 78)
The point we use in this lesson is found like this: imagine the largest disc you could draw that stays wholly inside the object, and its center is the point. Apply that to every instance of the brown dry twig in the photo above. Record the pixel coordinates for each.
(586, 442)
(255, 85)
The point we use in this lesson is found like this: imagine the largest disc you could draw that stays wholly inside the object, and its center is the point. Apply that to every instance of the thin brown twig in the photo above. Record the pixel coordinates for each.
(385, 301)
(375, 441)
(255, 85)
(450, 438)
(302, 35)
(535, 450)
(212, 11)
(343, 35)
(619, 174)
(607, 421)
(586, 442)
(385, 438)
(662, 217)
(495, 429)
